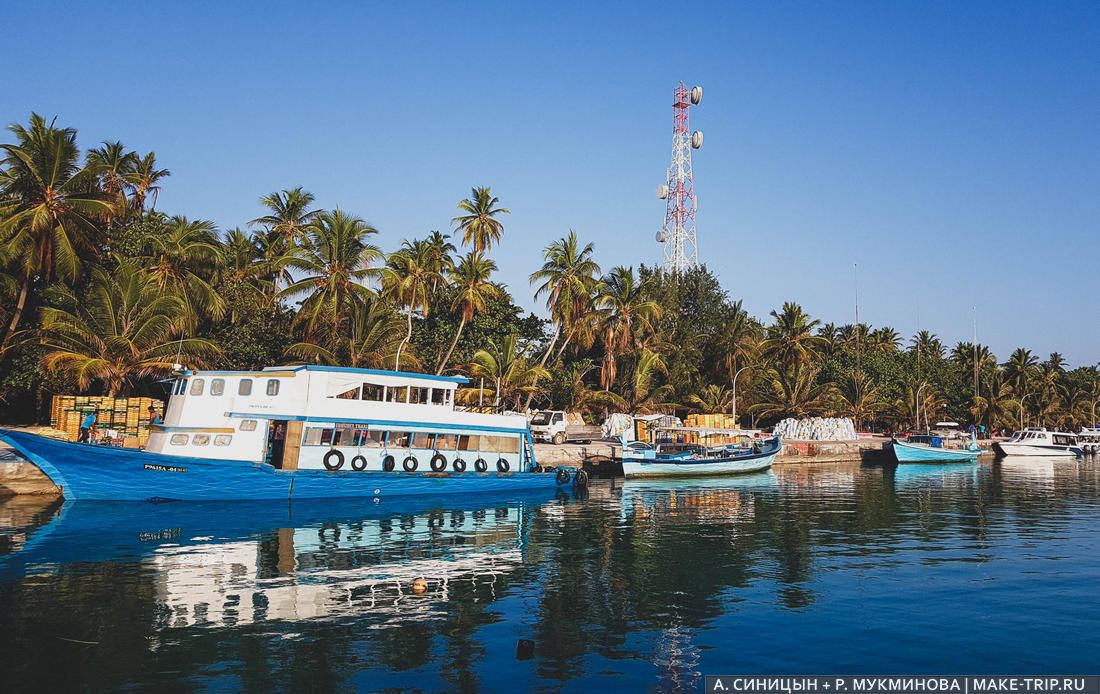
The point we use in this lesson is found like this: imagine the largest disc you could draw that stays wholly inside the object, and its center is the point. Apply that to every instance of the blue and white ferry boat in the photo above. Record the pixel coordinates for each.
(304, 432)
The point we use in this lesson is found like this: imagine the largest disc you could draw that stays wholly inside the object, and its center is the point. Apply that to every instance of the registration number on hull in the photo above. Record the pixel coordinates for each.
(164, 468)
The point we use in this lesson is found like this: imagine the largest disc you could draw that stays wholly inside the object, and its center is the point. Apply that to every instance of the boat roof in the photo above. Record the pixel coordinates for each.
(288, 370)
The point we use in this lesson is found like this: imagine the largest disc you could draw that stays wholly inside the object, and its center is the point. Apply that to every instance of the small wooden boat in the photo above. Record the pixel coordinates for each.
(930, 449)
(642, 459)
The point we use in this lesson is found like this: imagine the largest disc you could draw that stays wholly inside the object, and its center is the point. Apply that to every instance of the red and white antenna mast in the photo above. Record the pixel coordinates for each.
(678, 233)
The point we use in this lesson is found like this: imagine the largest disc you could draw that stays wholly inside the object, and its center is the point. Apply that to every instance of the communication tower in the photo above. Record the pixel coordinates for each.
(678, 232)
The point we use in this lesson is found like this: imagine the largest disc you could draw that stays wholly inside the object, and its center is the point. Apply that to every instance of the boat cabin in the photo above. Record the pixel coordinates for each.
(336, 419)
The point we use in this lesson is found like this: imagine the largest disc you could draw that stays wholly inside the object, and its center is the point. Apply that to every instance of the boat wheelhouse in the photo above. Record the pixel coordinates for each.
(304, 432)
(332, 418)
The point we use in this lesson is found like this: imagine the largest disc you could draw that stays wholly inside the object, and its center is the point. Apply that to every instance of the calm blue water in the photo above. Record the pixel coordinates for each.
(968, 569)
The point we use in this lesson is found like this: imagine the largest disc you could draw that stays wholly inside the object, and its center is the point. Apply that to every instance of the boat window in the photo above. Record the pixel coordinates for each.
(418, 396)
(352, 394)
(374, 439)
(248, 425)
(373, 391)
(196, 386)
(217, 386)
(439, 396)
(500, 444)
(448, 396)
(200, 439)
(397, 394)
(399, 439)
(178, 439)
(422, 440)
(223, 439)
(469, 443)
(244, 387)
(345, 437)
(181, 386)
(312, 437)
(446, 442)
(326, 436)
(272, 386)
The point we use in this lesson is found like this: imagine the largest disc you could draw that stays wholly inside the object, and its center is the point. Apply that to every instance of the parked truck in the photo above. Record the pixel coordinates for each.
(556, 426)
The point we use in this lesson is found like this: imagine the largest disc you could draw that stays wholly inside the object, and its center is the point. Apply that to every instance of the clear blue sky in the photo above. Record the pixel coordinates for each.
(950, 148)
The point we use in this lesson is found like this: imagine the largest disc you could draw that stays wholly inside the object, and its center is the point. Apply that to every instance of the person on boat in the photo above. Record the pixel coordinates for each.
(86, 426)
(154, 418)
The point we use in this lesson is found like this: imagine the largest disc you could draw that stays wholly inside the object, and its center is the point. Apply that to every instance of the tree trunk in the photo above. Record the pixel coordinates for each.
(18, 313)
(443, 364)
(542, 364)
(397, 359)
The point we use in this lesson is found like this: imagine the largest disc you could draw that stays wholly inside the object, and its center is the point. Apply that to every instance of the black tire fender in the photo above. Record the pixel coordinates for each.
(563, 476)
(502, 465)
(439, 462)
(358, 463)
(410, 464)
(459, 465)
(329, 465)
(480, 465)
(388, 463)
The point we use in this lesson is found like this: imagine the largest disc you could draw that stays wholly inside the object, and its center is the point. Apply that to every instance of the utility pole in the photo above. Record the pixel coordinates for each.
(855, 275)
(975, 352)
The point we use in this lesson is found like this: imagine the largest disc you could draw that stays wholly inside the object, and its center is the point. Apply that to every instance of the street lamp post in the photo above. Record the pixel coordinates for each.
(1022, 409)
(733, 408)
(916, 404)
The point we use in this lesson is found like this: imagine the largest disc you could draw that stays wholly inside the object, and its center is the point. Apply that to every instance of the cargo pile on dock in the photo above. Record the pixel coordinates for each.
(711, 421)
(128, 416)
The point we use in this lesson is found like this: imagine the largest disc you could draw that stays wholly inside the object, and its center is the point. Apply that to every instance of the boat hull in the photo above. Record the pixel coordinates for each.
(1015, 449)
(86, 472)
(697, 468)
(912, 453)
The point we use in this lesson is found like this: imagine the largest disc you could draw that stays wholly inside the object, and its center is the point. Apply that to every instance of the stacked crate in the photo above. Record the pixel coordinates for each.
(128, 416)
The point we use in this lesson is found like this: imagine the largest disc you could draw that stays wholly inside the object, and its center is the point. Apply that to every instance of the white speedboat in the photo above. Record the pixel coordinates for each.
(1039, 442)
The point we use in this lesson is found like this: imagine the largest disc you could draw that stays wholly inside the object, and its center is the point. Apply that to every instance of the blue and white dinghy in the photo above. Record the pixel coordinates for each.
(642, 459)
(304, 432)
(930, 449)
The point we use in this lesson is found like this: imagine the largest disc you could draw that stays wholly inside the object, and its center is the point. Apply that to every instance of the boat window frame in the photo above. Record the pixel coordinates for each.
(381, 391)
(197, 386)
(223, 439)
(244, 387)
(217, 387)
(247, 425)
(425, 437)
(272, 387)
(178, 439)
(442, 396)
(200, 440)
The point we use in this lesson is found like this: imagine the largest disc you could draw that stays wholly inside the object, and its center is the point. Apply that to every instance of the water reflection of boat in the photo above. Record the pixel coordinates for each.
(942, 473)
(713, 499)
(217, 562)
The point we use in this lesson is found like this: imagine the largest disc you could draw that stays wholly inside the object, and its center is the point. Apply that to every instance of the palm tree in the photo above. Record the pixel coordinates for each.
(289, 219)
(580, 397)
(471, 278)
(832, 340)
(1020, 370)
(791, 390)
(509, 368)
(182, 260)
(119, 333)
(791, 339)
(335, 259)
(624, 314)
(113, 166)
(738, 339)
(712, 400)
(995, 405)
(884, 340)
(373, 337)
(407, 279)
(441, 250)
(926, 344)
(568, 279)
(858, 397)
(479, 225)
(640, 395)
(144, 181)
(54, 205)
